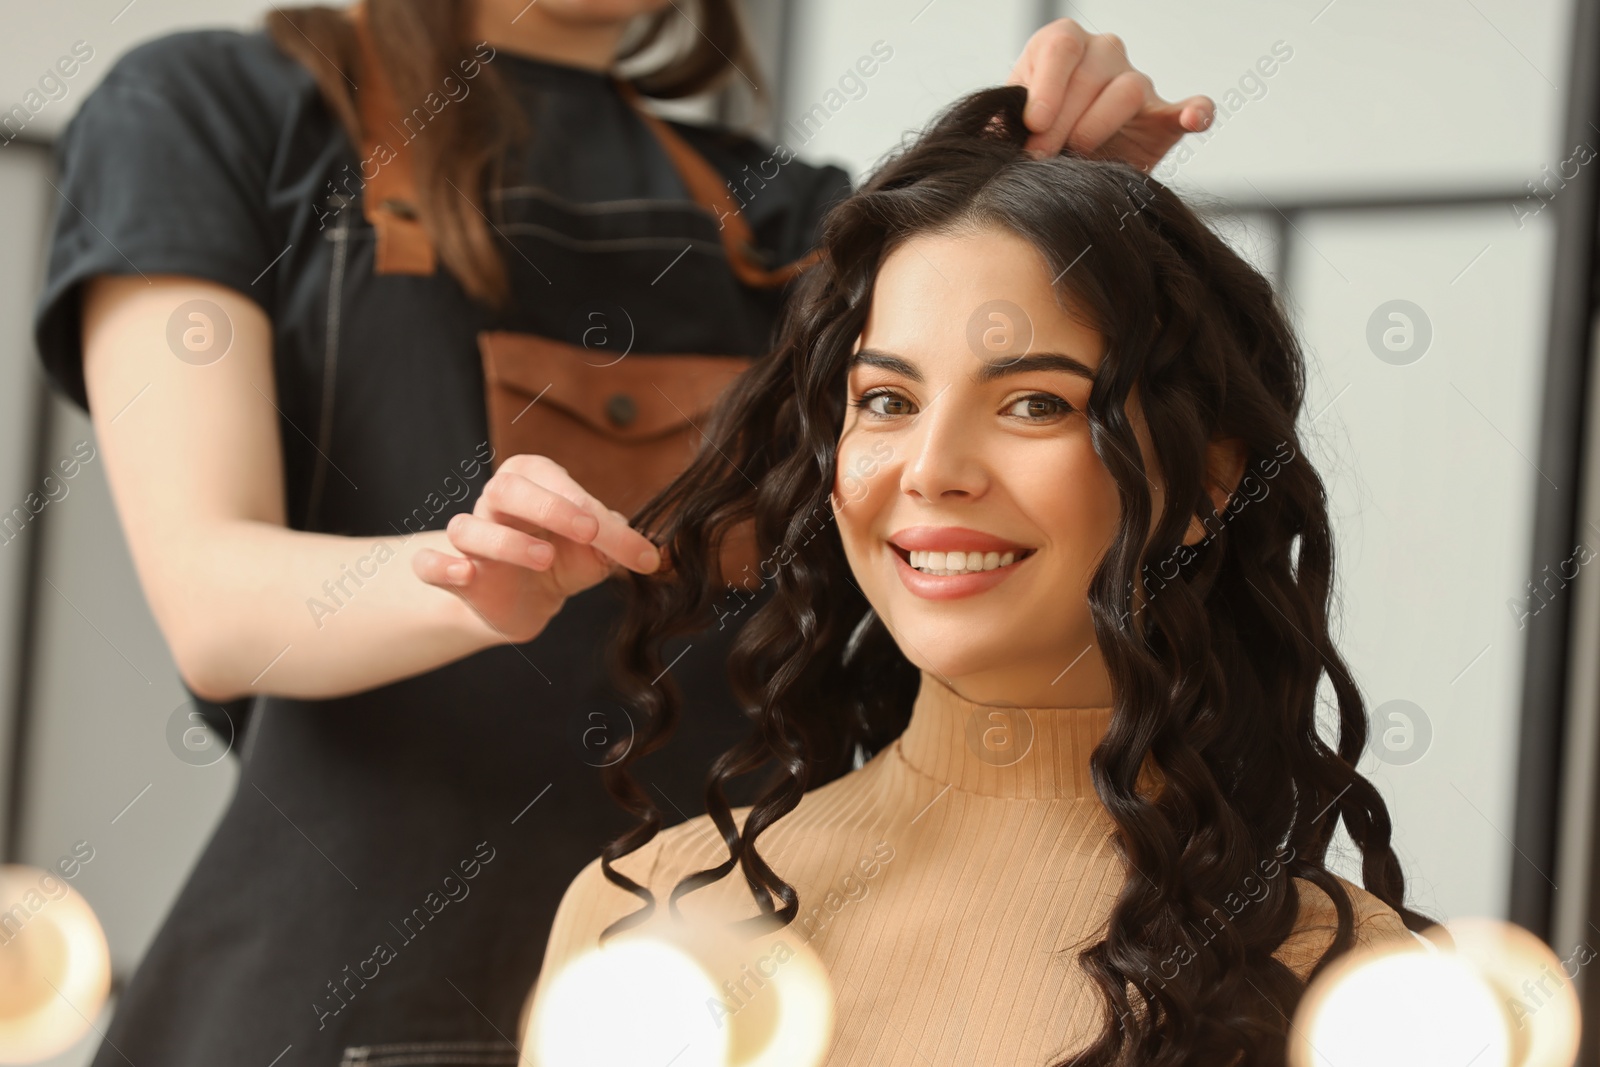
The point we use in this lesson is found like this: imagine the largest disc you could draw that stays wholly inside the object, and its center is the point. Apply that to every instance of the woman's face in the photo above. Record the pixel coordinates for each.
(970, 440)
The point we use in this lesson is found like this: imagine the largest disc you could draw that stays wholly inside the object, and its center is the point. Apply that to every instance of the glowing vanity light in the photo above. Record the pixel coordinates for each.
(1499, 998)
(1535, 988)
(629, 1002)
(1401, 1008)
(694, 997)
(803, 1027)
(55, 966)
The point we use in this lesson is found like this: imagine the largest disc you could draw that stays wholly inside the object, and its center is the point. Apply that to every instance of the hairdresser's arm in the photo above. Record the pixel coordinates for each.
(193, 458)
(1083, 94)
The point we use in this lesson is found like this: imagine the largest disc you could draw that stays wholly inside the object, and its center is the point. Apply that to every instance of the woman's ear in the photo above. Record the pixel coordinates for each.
(1225, 462)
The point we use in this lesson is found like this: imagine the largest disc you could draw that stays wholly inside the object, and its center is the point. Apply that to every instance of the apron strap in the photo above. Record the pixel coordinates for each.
(708, 189)
(390, 201)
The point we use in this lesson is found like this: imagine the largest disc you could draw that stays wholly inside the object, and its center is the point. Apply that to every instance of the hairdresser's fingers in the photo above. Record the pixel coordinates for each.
(1045, 67)
(1122, 98)
(1105, 59)
(474, 536)
(568, 568)
(538, 494)
(519, 499)
(1195, 113)
(442, 569)
(513, 601)
(1147, 137)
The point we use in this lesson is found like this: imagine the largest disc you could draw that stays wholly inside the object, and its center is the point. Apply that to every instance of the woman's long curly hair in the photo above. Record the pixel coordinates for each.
(1215, 656)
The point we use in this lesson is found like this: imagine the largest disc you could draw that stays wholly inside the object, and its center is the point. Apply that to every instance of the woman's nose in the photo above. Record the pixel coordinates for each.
(944, 456)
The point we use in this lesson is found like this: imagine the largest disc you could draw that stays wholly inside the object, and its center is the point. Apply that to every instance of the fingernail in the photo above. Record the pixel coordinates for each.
(459, 572)
(586, 526)
(648, 559)
(540, 554)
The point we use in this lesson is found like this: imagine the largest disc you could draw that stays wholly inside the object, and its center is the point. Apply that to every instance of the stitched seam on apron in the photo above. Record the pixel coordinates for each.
(615, 243)
(330, 362)
(601, 207)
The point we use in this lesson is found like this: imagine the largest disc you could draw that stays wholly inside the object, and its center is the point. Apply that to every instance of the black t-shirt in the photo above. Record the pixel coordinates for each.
(332, 909)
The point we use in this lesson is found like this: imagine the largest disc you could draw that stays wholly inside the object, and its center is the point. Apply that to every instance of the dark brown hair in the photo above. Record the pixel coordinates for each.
(1215, 660)
(422, 41)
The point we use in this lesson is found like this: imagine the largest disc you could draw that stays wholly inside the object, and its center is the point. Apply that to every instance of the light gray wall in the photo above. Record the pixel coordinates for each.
(1432, 499)
(1425, 95)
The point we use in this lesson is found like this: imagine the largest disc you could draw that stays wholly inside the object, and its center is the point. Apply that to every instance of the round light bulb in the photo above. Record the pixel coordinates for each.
(801, 1014)
(689, 993)
(635, 1000)
(55, 965)
(1534, 987)
(1398, 1008)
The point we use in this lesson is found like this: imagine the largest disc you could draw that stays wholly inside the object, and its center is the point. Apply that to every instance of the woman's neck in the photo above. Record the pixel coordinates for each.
(528, 29)
(1077, 680)
(1001, 749)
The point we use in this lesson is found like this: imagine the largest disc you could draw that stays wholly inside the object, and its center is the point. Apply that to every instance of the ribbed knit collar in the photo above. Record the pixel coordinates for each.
(1001, 750)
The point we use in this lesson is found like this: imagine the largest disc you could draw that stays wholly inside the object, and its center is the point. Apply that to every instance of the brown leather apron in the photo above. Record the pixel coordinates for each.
(623, 427)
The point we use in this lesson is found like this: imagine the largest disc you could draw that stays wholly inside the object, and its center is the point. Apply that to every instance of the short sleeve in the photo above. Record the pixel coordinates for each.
(164, 170)
(1376, 924)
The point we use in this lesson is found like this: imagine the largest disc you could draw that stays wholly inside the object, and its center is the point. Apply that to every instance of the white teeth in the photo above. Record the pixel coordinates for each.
(946, 563)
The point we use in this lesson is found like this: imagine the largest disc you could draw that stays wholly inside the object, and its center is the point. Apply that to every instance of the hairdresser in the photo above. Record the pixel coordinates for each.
(387, 317)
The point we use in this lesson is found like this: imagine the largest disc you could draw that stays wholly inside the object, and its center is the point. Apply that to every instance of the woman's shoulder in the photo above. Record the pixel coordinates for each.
(824, 834)
(222, 94)
(592, 901)
(657, 865)
(215, 66)
(693, 844)
(1376, 924)
(175, 156)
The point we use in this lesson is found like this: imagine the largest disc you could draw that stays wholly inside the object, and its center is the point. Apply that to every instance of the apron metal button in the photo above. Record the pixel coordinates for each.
(621, 409)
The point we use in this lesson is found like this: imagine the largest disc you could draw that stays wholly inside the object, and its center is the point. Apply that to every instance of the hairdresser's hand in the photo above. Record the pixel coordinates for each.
(1084, 94)
(534, 538)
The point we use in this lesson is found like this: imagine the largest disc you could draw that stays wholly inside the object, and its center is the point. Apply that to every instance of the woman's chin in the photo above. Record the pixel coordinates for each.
(936, 651)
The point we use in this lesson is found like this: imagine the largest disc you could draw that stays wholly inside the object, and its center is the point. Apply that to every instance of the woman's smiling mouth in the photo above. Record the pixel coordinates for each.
(945, 562)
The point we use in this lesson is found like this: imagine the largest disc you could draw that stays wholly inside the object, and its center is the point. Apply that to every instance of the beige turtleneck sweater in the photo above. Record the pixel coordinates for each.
(945, 886)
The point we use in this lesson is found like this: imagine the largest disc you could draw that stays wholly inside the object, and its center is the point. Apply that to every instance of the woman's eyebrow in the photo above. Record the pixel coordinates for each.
(987, 372)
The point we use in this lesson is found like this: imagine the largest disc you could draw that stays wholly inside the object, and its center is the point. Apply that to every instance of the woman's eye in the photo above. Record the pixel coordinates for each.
(1035, 407)
(869, 402)
(1039, 406)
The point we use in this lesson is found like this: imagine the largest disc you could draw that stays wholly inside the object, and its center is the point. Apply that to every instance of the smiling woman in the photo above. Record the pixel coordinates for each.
(1092, 793)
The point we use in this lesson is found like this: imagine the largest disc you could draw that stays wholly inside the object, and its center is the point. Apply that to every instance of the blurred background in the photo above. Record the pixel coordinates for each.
(1415, 178)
